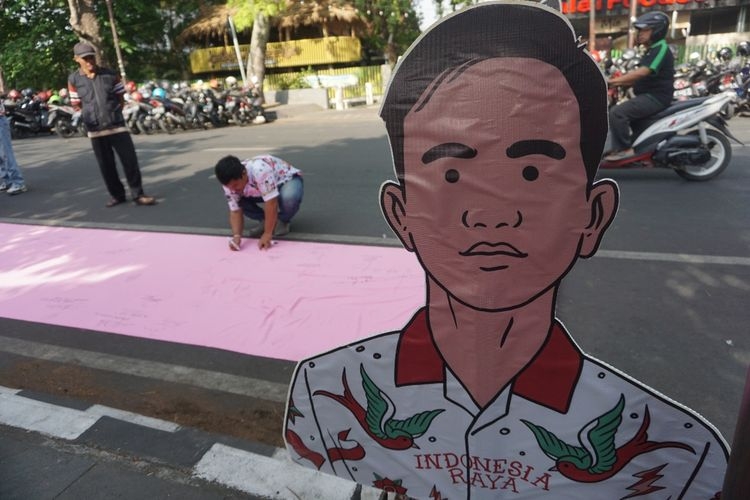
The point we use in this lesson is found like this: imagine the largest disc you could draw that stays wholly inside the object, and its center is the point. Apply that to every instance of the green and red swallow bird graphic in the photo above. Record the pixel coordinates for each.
(377, 420)
(597, 458)
(297, 443)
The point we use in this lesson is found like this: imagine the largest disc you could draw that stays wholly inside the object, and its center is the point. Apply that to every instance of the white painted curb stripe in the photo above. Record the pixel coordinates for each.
(270, 477)
(9, 391)
(62, 422)
(275, 477)
(133, 418)
(207, 379)
(48, 419)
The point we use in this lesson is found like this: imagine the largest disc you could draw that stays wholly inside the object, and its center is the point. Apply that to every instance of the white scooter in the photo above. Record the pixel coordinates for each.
(689, 137)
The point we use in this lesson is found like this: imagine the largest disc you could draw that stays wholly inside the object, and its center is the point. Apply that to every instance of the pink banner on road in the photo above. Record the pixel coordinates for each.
(291, 302)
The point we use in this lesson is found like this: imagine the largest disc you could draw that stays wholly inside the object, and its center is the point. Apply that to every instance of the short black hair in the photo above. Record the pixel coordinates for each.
(493, 30)
(228, 169)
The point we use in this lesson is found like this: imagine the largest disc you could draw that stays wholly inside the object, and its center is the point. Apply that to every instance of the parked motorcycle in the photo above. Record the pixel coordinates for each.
(193, 109)
(27, 116)
(167, 113)
(65, 121)
(703, 77)
(689, 137)
(137, 113)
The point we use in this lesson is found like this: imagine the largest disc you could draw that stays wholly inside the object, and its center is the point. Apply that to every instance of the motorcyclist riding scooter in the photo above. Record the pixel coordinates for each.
(652, 81)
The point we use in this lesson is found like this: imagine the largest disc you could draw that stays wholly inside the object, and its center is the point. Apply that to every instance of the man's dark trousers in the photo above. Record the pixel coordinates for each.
(104, 150)
(623, 114)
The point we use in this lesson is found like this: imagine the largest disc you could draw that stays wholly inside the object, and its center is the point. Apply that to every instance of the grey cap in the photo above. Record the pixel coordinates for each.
(82, 49)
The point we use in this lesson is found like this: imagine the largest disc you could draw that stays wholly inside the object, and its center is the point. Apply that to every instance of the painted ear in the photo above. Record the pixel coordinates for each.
(393, 205)
(603, 200)
(552, 4)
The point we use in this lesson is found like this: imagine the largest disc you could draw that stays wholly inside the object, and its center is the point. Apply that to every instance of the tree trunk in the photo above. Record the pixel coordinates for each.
(391, 50)
(85, 24)
(258, 41)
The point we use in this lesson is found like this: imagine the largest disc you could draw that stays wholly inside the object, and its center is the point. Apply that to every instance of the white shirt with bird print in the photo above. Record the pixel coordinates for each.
(387, 412)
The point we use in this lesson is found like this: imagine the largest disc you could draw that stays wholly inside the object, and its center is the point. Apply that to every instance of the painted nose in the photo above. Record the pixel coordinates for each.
(481, 218)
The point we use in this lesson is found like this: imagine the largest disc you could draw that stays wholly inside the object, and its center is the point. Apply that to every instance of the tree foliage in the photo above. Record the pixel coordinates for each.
(37, 36)
(35, 43)
(392, 26)
(443, 7)
(147, 32)
(36, 39)
(256, 14)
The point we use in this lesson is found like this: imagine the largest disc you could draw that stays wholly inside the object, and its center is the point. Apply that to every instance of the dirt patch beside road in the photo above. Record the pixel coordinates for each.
(212, 411)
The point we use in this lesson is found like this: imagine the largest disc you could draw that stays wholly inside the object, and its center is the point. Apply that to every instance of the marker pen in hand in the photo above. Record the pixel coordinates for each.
(233, 244)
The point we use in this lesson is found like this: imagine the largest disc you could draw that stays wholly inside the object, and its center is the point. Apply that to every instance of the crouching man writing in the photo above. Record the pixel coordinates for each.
(265, 180)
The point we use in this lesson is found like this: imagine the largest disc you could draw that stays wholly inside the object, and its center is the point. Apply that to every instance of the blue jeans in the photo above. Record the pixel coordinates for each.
(290, 198)
(9, 171)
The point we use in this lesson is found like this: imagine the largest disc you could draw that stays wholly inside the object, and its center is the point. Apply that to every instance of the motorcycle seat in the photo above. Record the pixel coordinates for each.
(679, 106)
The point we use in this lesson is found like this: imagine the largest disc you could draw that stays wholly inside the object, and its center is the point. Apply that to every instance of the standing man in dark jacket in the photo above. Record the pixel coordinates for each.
(652, 81)
(99, 92)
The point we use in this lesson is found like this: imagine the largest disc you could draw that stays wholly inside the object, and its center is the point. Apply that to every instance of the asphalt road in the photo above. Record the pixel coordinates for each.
(666, 299)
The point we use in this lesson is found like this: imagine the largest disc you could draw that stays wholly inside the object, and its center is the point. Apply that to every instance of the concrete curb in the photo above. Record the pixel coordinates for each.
(273, 475)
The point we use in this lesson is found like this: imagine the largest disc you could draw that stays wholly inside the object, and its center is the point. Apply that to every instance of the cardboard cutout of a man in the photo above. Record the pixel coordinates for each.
(496, 120)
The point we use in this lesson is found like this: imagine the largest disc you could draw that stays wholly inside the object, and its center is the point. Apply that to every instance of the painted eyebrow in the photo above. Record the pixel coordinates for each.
(536, 146)
(448, 150)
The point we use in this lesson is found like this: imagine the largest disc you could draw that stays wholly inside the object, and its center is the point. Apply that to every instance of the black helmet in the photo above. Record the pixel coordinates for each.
(657, 22)
(27, 92)
(743, 49)
(724, 54)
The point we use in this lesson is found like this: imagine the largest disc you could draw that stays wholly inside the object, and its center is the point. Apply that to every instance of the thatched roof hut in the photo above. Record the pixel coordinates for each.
(211, 23)
(333, 17)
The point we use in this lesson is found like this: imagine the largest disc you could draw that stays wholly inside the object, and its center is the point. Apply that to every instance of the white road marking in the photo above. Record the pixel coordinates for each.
(8, 391)
(682, 258)
(236, 148)
(385, 240)
(133, 418)
(217, 381)
(66, 423)
(146, 149)
(268, 477)
(45, 418)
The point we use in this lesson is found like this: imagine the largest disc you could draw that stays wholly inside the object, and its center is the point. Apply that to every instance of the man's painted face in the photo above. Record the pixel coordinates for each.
(495, 185)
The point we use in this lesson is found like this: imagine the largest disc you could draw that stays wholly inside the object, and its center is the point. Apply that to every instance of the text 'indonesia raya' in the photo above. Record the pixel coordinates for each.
(492, 473)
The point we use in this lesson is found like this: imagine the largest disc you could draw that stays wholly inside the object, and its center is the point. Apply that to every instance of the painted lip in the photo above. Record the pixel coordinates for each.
(487, 249)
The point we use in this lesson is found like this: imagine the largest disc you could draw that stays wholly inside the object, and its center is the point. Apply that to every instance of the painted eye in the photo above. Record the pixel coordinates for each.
(451, 175)
(530, 173)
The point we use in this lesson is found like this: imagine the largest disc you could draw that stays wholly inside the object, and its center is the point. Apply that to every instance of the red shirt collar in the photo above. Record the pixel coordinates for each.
(549, 379)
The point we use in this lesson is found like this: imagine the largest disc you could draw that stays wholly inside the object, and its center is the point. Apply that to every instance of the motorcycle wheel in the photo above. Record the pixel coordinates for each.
(166, 125)
(17, 132)
(64, 128)
(240, 118)
(728, 111)
(721, 155)
(144, 127)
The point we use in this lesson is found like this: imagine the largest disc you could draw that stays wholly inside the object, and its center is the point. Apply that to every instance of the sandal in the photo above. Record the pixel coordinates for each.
(144, 200)
(113, 202)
